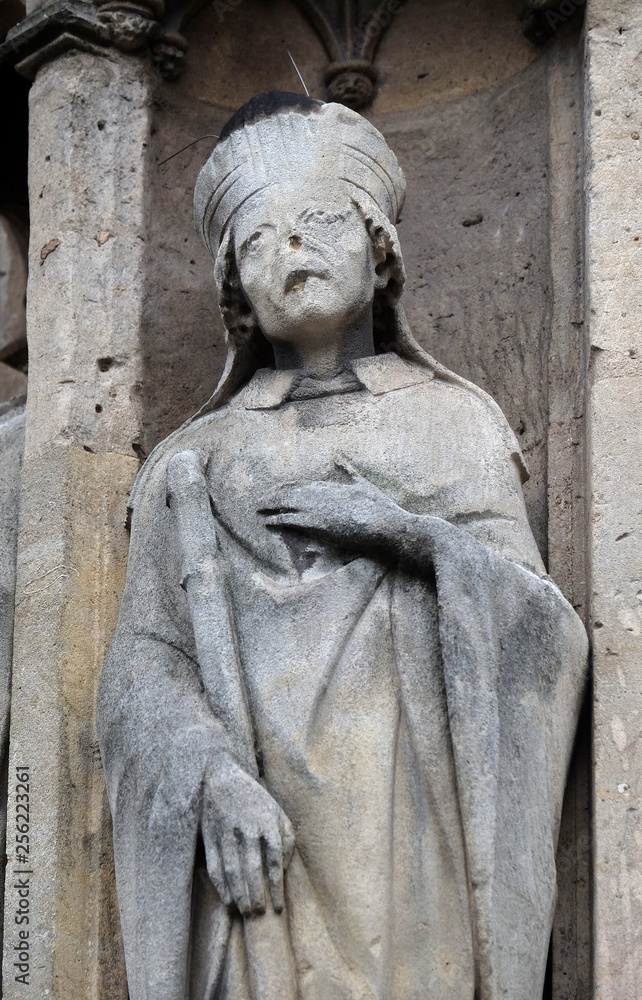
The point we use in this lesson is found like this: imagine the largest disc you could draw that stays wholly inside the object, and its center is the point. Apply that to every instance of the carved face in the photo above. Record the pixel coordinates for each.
(306, 265)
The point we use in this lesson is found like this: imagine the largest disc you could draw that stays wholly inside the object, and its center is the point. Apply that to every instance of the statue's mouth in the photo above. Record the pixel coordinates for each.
(295, 281)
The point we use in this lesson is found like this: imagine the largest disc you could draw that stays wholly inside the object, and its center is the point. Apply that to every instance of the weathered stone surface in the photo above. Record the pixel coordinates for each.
(56, 27)
(613, 124)
(336, 607)
(72, 582)
(87, 177)
(89, 130)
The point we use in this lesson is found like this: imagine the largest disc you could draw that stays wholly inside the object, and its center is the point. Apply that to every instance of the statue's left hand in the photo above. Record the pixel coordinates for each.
(354, 515)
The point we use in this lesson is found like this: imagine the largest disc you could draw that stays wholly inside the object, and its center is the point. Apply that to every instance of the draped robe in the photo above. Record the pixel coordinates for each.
(415, 727)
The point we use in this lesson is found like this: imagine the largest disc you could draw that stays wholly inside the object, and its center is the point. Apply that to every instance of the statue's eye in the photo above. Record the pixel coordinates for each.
(251, 243)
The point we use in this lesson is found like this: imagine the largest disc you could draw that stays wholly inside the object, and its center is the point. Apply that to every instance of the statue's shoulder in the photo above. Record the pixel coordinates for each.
(149, 486)
(472, 412)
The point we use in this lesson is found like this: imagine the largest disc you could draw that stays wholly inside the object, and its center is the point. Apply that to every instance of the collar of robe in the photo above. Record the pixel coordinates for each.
(269, 389)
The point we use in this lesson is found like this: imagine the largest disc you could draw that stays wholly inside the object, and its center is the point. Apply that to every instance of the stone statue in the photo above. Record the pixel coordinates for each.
(338, 710)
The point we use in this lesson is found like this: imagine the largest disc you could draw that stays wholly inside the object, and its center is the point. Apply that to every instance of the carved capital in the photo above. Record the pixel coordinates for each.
(168, 50)
(128, 30)
(131, 27)
(351, 82)
(351, 43)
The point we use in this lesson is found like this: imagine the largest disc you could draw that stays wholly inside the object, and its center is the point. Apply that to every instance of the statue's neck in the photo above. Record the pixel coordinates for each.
(327, 358)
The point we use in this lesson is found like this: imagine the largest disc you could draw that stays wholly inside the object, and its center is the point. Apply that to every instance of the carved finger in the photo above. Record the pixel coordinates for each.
(230, 851)
(292, 520)
(282, 500)
(253, 872)
(277, 508)
(213, 858)
(274, 862)
(216, 872)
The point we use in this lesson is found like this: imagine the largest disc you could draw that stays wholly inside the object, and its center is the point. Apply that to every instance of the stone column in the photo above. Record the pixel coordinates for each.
(613, 136)
(90, 121)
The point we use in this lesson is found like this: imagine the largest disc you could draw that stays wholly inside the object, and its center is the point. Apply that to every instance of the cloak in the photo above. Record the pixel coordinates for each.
(416, 728)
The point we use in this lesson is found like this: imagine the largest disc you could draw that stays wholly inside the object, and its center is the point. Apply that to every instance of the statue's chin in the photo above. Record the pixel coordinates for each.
(316, 306)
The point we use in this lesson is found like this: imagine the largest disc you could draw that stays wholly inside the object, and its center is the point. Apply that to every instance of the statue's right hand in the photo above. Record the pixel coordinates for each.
(248, 839)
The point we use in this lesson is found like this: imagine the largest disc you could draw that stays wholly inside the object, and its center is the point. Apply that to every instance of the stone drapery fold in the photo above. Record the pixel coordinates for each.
(483, 657)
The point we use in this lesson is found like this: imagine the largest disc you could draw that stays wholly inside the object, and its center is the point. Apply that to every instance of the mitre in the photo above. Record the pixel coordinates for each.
(289, 140)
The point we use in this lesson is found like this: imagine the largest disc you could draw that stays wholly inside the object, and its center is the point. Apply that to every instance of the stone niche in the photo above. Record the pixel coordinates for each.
(467, 103)
(486, 127)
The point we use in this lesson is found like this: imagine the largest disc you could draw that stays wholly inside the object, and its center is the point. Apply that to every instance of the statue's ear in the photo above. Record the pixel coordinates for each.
(389, 269)
(379, 255)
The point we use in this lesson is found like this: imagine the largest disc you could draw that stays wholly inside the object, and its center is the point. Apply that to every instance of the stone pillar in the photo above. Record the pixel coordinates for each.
(90, 122)
(613, 135)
